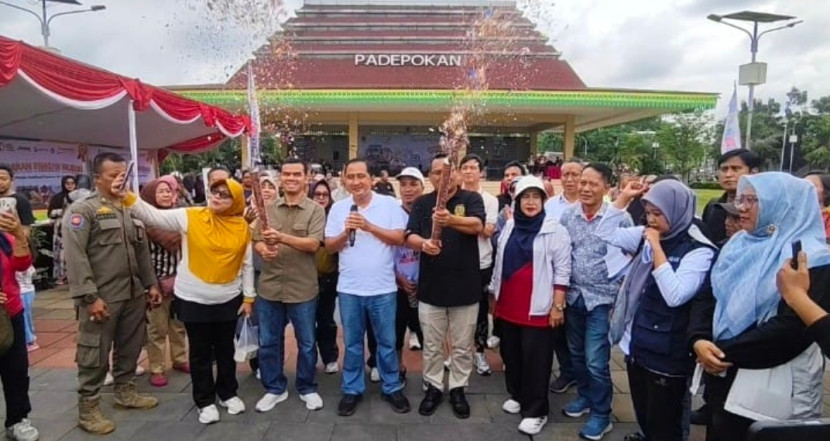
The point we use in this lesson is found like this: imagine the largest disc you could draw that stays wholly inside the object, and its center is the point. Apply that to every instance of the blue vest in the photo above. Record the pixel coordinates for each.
(659, 339)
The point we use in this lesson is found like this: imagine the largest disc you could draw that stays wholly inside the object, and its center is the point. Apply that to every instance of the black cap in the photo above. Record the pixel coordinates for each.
(730, 208)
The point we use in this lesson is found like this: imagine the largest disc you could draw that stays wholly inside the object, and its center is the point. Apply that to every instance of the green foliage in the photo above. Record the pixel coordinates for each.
(705, 185)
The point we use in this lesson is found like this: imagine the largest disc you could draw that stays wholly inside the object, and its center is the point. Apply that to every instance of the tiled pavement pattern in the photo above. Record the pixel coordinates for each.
(54, 402)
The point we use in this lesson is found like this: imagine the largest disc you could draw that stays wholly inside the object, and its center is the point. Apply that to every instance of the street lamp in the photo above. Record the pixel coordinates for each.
(44, 19)
(753, 74)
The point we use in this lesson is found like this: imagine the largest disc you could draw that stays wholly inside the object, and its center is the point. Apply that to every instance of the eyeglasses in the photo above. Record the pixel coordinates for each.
(746, 200)
(221, 194)
(321, 194)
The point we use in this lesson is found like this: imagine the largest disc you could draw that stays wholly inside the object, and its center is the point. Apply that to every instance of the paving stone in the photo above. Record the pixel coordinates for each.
(56, 379)
(52, 429)
(167, 430)
(171, 407)
(124, 431)
(299, 431)
(363, 432)
(54, 405)
(478, 411)
(225, 431)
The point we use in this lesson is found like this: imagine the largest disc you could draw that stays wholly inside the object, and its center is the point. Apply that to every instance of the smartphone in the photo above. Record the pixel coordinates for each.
(796, 250)
(8, 205)
(129, 176)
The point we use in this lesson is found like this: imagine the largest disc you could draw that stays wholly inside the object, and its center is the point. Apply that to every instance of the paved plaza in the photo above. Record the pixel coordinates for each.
(54, 402)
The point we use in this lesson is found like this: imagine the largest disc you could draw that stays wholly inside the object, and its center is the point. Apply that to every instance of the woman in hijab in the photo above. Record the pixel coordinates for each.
(214, 283)
(57, 205)
(165, 249)
(327, 274)
(530, 279)
(268, 185)
(671, 264)
(742, 331)
(821, 181)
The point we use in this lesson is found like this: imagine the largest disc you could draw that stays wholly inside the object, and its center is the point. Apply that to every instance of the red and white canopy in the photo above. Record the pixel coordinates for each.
(46, 96)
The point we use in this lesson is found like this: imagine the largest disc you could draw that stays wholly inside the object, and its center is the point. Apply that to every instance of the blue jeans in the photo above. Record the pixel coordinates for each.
(28, 307)
(380, 310)
(590, 354)
(273, 317)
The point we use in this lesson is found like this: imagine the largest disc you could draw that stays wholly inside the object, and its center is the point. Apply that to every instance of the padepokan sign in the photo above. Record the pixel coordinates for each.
(420, 60)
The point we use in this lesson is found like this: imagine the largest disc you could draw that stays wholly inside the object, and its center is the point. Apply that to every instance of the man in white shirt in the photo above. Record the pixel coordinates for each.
(556, 206)
(364, 229)
(471, 168)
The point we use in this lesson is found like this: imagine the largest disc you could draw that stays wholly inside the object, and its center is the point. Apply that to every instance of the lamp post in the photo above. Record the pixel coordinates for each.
(45, 19)
(754, 73)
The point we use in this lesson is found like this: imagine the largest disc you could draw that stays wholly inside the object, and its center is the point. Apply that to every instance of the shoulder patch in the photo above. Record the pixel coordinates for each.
(76, 221)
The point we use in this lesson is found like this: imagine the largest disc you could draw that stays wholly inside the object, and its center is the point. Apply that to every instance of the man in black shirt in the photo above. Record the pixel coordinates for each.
(449, 286)
(383, 186)
(22, 205)
(511, 171)
(731, 166)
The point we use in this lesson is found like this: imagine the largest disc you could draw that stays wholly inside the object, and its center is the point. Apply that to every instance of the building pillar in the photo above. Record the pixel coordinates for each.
(245, 143)
(569, 136)
(534, 143)
(353, 135)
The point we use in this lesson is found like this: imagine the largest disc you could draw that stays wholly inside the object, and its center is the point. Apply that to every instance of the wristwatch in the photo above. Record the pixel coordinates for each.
(89, 299)
(560, 307)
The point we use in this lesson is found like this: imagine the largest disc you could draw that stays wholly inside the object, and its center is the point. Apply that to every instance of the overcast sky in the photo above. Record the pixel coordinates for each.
(647, 44)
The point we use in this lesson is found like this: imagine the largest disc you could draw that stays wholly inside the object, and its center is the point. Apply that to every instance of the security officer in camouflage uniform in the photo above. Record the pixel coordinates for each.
(109, 271)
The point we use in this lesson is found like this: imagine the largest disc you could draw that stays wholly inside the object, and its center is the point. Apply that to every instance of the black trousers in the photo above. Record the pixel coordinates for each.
(326, 326)
(527, 353)
(405, 316)
(724, 425)
(208, 340)
(14, 373)
(658, 402)
(482, 324)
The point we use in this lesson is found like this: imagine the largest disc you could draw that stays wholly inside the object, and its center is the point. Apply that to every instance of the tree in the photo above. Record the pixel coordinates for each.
(228, 155)
(684, 139)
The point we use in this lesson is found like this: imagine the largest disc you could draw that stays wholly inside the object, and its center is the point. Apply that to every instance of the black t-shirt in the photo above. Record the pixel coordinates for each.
(452, 278)
(24, 209)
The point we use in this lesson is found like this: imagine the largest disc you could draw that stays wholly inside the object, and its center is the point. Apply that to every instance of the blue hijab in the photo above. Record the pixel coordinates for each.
(519, 249)
(743, 278)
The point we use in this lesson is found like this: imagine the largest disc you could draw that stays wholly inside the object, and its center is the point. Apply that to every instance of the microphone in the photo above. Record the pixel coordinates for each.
(352, 231)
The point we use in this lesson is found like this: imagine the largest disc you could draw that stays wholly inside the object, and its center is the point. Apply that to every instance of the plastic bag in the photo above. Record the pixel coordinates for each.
(247, 343)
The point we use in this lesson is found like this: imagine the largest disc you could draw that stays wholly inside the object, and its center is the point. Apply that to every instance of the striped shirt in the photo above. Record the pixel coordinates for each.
(164, 262)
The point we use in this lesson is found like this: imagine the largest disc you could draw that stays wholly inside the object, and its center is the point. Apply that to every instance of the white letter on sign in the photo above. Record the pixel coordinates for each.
(358, 59)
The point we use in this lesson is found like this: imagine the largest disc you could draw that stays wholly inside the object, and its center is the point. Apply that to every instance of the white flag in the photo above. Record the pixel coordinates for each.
(731, 129)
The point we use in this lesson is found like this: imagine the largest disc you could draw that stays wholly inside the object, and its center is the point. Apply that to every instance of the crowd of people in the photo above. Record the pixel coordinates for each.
(720, 301)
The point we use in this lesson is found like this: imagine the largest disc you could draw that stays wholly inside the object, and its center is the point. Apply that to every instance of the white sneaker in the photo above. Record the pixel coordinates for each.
(22, 431)
(532, 426)
(269, 400)
(413, 342)
(234, 405)
(258, 377)
(139, 370)
(374, 375)
(109, 379)
(480, 361)
(313, 401)
(209, 414)
(511, 406)
(493, 342)
(332, 368)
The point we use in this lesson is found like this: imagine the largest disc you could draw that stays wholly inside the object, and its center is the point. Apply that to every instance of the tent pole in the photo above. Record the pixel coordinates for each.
(133, 144)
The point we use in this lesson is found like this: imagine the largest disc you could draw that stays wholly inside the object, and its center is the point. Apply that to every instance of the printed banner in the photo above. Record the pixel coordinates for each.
(394, 151)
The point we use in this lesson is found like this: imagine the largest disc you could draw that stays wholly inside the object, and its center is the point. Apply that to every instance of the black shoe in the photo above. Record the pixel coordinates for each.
(702, 416)
(460, 406)
(348, 404)
(562, 384)
(431, 401)
(635, 437)
(398, 402)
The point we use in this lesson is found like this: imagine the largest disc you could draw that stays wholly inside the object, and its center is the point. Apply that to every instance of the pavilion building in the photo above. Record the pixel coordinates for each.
(376, 78)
